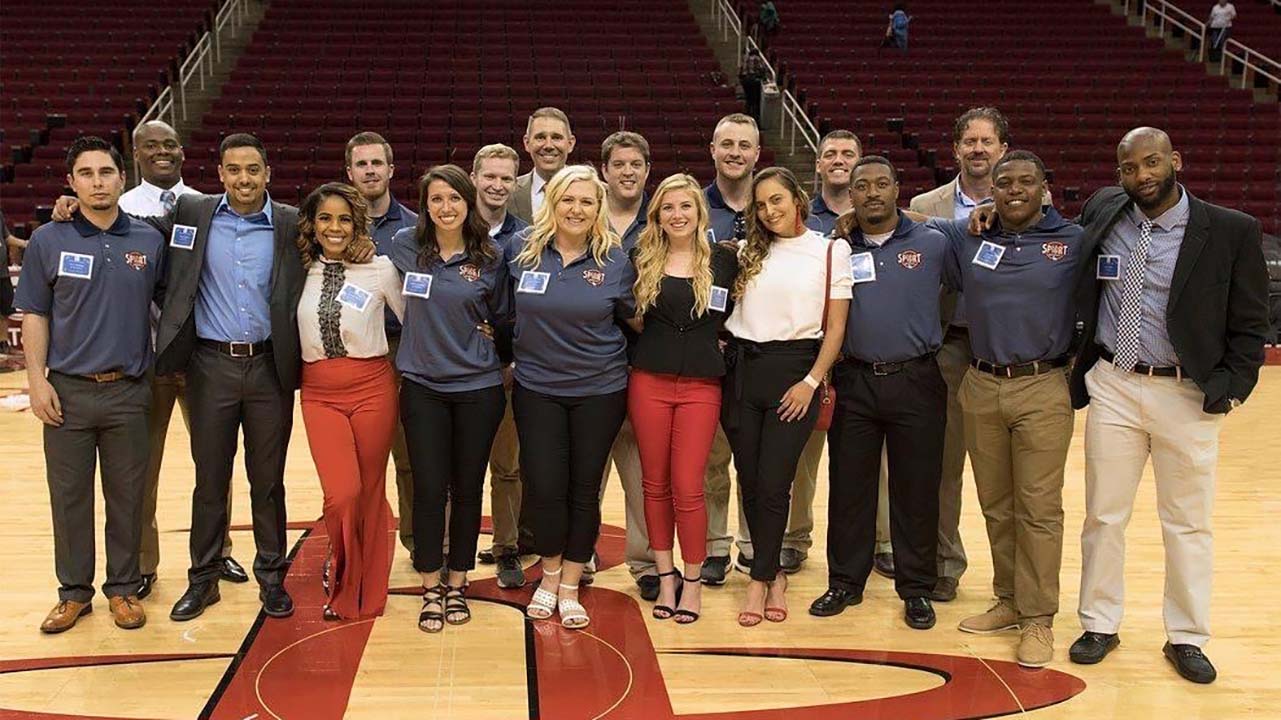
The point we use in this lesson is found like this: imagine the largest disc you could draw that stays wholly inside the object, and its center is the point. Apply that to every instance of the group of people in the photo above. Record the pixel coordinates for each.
(543, 324)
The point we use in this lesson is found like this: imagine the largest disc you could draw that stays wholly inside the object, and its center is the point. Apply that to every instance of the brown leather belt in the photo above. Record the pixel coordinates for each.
(105, 377)
(1174, 371)
(1036, 367)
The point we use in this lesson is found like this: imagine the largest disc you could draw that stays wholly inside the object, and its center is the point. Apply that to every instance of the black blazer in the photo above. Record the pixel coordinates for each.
(1217, 317)
(176, 336)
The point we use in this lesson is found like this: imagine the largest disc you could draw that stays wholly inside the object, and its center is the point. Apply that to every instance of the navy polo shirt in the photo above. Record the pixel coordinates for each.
(1023, 310)
(567, 340)
(96, 287)
(726, 223)
(384, 229)
(896, 316)
(511, 226)
(440, 346)
(633, 231)
(821, 216)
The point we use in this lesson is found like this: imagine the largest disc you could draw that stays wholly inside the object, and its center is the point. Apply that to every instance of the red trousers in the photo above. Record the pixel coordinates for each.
(349, 409)
(675, 421)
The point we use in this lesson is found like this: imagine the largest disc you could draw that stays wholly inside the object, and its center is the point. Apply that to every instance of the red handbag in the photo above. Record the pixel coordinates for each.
(826, 391)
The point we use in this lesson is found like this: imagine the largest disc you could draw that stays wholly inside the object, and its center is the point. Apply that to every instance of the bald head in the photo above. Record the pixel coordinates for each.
(159, 153)
(1148, 168)
(1145, 137)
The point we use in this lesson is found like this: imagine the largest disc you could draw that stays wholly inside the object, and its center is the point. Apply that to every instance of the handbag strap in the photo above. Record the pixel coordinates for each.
(827, 288)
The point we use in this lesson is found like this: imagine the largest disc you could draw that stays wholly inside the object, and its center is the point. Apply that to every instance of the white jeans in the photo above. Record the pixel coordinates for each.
(1131, 417)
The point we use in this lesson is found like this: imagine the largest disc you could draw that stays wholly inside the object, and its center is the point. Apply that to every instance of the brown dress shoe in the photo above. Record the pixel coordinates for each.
(64, 615)
(128, 612)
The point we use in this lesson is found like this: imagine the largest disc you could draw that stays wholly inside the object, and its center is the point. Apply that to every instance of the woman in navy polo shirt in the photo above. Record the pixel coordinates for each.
(572, 287)
(451, 397)
(776, 357)
(682, 294)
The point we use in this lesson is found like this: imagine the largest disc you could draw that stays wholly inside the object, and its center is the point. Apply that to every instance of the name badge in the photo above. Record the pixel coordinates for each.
(417, 285)
(719, 299)
(183, 237)
(863, 267)
(532, 281)
(1109, 268)
(989, 255)
(354, 297)
(75, 265)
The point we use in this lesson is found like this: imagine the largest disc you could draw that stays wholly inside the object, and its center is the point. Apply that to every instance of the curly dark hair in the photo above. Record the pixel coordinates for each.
(308, 246)
(759, 238)
(477, 244)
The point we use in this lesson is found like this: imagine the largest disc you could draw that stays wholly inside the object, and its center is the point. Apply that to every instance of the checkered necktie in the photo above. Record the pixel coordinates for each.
(167, 199)
(1127, 325)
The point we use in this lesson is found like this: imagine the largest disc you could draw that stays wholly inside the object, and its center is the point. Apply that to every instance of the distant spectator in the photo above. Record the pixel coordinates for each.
(1221, 16)
(768, 18)
(896, 31)
(752, 74)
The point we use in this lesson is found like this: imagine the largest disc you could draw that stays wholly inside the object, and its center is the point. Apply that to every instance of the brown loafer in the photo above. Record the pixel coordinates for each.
(64, 615)
(128, 612)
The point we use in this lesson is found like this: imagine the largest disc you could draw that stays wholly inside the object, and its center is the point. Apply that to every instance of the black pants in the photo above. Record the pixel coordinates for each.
(106, 421)
(449, 435)
(752, 97)
(223, 395)
(564, 444)
(907, 412)
(766, 449)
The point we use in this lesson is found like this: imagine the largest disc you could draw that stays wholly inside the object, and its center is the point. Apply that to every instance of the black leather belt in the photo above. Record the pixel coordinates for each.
(238, 349)
(887, 368)
(1036, 367)
(1173, 371)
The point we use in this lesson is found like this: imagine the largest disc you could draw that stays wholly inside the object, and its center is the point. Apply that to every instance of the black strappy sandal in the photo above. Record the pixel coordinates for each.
(685, 617)
(456, 605)
(663, 612)
(432, 596)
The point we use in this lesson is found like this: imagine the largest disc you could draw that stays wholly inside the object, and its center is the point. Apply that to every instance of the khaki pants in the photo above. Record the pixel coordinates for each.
(1131, 417)
(1017, 432)
(626, 458)
(400, 456)
(800, 521)
(165, 390)
(954, 360)
(504, 484)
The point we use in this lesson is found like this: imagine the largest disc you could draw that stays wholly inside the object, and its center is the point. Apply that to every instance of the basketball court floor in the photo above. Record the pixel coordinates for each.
(864, 664)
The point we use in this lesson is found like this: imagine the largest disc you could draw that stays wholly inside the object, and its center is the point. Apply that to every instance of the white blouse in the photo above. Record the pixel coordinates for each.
(785, 300)
(341, 311)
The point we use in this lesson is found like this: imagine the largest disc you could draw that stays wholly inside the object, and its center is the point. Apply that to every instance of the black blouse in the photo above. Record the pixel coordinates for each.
(673, 342)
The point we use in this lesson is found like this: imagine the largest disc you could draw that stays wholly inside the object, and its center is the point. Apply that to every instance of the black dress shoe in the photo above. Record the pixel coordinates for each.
(790, 560)
(918, 613)
(1092, 647)
(834, 602)
(883, 564)
(1191, 663)
(230, 570)
(649, 587)
(714, 567)
(144, 587)
(193, 602)
(275, 601)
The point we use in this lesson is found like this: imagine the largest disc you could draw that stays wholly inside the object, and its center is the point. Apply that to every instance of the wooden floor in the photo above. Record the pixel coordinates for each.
(862, 664)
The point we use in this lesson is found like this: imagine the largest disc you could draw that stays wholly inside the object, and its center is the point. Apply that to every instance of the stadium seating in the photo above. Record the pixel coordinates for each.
(1070, 76)
(68, 70)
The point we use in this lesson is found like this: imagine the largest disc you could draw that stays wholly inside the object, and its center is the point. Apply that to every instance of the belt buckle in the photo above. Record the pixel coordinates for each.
(878, 371)
(248, 352)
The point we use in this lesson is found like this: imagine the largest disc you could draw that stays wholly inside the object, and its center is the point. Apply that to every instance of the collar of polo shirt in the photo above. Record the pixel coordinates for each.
(87, 229)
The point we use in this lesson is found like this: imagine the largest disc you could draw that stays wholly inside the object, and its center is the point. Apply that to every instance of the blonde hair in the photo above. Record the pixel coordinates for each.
(600, 239)
(497, 150)
(759, 238)
(653, 245)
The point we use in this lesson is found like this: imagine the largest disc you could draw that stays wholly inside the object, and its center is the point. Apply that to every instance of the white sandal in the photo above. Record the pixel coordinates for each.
(573, 615)
(543, 604)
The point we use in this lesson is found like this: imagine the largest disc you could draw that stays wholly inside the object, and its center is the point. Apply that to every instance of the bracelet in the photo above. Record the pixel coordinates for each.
(809, 380)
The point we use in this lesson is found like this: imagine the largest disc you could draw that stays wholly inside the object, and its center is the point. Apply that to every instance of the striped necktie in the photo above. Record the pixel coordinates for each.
(1131, 313)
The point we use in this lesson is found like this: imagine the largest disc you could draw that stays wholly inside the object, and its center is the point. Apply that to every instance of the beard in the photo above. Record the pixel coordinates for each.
(1163, 191)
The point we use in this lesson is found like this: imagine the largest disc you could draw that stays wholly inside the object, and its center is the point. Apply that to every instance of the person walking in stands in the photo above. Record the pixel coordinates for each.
(573, 287)
(674, 395)
(793, 294)
(452, 400)
(348, 393)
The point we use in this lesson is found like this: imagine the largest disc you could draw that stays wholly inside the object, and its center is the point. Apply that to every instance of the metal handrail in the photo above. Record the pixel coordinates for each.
(1251, 60)
(1163, 12)
(790, 109)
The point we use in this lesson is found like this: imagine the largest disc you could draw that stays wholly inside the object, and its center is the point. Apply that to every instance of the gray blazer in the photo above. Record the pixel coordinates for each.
(521, 203)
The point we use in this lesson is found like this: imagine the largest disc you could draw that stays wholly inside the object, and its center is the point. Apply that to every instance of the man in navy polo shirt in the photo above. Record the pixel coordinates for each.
(86, 288)
(370, 170)
(838, 151)
(889, 394)
(1019, 280)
